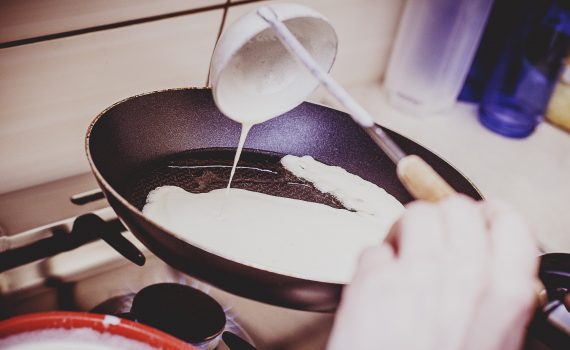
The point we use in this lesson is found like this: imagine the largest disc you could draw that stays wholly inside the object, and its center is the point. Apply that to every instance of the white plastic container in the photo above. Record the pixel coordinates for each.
(433, 51)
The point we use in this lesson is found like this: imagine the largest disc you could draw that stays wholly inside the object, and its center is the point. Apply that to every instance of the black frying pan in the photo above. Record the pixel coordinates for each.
(129, 144)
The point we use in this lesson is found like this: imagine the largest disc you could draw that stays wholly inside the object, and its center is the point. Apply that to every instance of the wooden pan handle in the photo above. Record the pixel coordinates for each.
(421, 180)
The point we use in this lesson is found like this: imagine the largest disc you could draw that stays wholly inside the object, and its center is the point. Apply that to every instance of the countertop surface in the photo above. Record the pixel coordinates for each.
(532, 174)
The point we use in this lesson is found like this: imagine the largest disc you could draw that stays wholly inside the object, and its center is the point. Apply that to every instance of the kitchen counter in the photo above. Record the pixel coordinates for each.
(532, 174)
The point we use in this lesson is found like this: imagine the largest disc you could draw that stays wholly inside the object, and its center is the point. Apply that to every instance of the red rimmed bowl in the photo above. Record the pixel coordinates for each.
(103, 324)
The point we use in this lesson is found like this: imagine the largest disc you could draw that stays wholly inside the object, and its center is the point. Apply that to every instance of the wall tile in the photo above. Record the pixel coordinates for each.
(30, 18)
(365, 28)
(50, 91)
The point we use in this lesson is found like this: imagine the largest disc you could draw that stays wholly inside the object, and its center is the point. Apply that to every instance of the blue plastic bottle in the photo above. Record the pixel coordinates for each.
(529, 66)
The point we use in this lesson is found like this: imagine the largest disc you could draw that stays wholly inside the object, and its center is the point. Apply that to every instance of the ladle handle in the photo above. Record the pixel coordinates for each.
(421, 180)
(417, 176)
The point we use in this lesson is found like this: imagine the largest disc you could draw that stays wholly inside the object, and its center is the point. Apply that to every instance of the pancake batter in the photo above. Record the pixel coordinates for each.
(287, 236)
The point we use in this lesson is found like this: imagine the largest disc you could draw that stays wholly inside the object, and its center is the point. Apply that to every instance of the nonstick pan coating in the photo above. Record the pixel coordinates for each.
(133, 135)
(200, 171)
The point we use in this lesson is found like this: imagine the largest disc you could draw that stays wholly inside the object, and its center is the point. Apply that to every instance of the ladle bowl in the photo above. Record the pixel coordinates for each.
(253, 76)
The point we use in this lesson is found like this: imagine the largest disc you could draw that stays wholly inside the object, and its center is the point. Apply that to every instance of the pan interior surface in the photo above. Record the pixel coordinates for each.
(204, 170)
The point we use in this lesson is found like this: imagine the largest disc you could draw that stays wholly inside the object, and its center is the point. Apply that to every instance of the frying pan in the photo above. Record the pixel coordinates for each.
(127, 140)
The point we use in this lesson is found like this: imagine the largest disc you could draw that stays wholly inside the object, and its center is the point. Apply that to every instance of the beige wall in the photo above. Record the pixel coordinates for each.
(50, 90)
(31, 18)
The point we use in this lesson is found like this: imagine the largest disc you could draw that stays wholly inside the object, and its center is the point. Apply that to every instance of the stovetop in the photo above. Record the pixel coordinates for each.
(92, 273)
(86, 276)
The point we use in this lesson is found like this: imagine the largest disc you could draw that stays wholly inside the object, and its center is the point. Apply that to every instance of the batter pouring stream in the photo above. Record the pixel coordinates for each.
(244, 131)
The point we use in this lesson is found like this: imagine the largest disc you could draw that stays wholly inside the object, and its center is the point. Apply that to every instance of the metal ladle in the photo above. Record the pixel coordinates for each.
(419, 178)
(247, 57)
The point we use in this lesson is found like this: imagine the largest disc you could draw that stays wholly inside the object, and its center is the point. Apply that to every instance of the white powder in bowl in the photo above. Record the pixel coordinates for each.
(70, 339)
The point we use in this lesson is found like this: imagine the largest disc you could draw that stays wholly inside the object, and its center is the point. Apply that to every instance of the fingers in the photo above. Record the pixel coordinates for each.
(477, 236)
(509, 296)
(474, 263)
(393, 236)
(420, 232)
(376, 267)
(513, 244)
(376, 256)
(515, 262)
(465, 227)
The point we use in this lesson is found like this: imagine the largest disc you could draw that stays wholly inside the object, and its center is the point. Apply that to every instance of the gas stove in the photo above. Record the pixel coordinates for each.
(92, 272)
(84, 273)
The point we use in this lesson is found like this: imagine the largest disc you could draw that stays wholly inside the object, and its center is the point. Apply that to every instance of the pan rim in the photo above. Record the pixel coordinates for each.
(103, 182)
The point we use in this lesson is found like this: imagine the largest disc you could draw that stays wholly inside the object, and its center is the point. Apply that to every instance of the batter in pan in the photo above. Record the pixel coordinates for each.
(288, 236)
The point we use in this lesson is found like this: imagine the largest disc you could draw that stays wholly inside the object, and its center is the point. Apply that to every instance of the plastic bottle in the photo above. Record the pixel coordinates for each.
(434, 48)
(529, 67)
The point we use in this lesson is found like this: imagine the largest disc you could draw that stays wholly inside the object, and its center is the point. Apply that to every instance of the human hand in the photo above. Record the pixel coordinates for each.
(458, 274)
